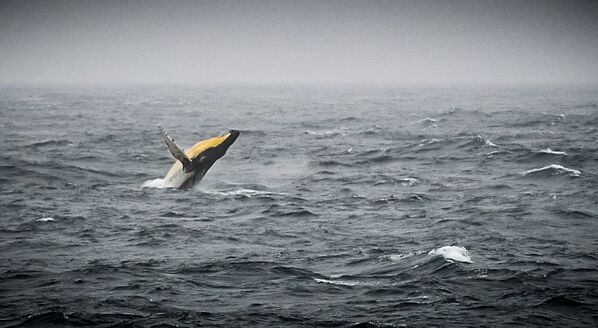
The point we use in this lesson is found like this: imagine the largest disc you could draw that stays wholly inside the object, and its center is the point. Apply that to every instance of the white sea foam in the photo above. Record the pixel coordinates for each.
(46, 219)
(553, 152)
(556, 167)
(398, 257)
(429, 122)
(159, 183)
(496, 152)
(343, 282)
(243, 192)
(341, 131)
(403, 181)
(428, 142)
(489, 143)
(336, 282)
(408, 181)
(155, 183)
(452, 253)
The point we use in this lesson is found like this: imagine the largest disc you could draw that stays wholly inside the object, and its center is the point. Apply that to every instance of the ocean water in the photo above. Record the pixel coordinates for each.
(336, 207)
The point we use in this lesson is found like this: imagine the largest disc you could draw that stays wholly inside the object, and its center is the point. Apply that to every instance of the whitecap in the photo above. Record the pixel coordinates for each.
(452, 253)
(429, 122)
(426, 142)
(398, 257)
(479, 138)
(332, 132)
(553, 152)
(408, 181)
(46, 219)
(489, 143)
(342, 282)
(496, 152)
(556, 167)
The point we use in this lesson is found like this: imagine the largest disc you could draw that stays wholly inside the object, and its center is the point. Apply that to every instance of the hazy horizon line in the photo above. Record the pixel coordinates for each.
(9, 85)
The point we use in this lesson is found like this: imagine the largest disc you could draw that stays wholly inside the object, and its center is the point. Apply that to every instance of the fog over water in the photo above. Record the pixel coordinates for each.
(273, 42)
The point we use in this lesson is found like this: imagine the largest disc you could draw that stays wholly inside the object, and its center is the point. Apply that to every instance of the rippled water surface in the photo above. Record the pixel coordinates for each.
(335, 207)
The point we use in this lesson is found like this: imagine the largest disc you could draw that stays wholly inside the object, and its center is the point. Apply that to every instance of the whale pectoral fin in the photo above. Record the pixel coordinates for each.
(176, 151)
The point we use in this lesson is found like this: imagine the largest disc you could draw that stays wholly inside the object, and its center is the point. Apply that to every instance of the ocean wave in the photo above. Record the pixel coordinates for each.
(578, 214)
(244, 192)
(497, 152)
(349, 119)
(377, 159)
(343, 131)
(327, 133)
(45, 175)
(451, 111)
(452, 253)
(466, 142)
(407, 182)
(369, 132)
(343, 282)
(479, 140)
(552, 152)
(527, 155)
(330, 163)
(560, 301)
(428, 122)
(291, 213)
(458, 111)
(489, 143)
(78, 319)
(398, 257)
(47, 143)
(551, 170)
(45, 219)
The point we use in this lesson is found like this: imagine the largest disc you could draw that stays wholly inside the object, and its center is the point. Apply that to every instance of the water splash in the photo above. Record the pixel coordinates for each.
(452, 253)
(154, 183)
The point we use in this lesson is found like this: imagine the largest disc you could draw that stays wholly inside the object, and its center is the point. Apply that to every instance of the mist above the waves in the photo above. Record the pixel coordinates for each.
(273, 42)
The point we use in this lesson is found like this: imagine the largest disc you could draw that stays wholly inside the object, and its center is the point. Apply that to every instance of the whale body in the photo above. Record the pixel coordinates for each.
(191, 165)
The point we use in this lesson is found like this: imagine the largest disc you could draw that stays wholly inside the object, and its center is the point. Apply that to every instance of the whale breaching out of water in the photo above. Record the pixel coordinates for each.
(192, 165)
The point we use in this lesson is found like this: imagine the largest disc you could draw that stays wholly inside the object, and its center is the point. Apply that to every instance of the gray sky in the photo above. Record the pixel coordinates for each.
(264, 42)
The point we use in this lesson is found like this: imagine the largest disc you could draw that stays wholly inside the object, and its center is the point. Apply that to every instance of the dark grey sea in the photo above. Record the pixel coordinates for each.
(336, 207)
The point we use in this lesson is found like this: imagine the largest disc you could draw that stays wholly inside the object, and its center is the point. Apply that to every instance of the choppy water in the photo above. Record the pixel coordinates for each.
(335, 207)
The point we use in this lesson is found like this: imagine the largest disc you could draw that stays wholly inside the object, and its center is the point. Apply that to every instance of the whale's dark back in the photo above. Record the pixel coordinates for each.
(204, 161)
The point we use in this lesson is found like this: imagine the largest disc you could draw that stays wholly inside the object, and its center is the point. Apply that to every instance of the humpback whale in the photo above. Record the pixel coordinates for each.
(192, 165)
